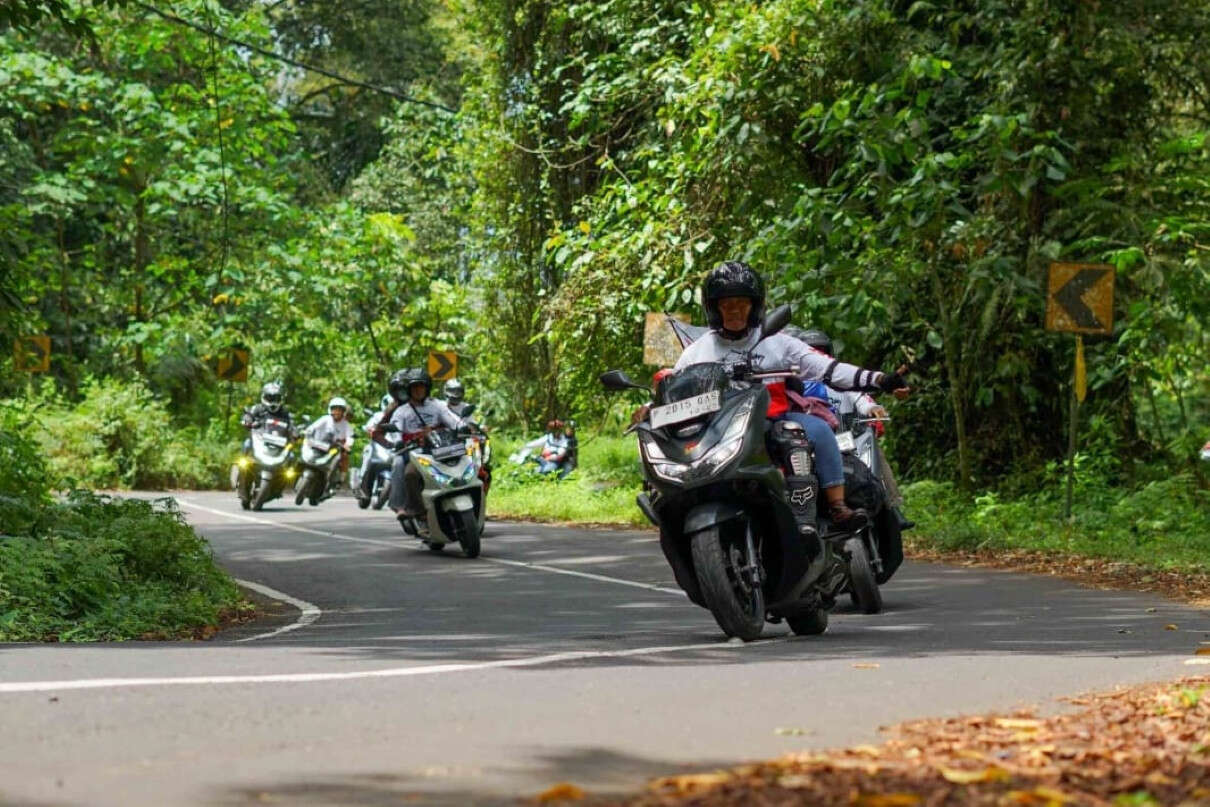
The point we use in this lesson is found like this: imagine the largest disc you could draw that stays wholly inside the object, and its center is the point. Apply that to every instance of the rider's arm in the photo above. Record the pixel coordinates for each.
(837, 374)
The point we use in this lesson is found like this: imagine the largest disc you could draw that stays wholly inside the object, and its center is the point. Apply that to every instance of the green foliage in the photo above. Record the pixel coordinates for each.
(1162, 524)
(600, 491)
(98, 568)
(121, 436)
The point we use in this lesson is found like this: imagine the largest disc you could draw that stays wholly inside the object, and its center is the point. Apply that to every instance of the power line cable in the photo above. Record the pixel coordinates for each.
(352, 82)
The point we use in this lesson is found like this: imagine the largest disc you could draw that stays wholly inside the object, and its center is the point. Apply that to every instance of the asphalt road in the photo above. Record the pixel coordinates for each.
(559, 655)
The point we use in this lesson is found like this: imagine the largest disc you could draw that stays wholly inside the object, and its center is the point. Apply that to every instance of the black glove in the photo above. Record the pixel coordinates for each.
(889, 382)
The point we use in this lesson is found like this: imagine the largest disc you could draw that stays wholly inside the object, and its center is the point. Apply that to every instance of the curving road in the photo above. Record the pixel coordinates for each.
(402, 676)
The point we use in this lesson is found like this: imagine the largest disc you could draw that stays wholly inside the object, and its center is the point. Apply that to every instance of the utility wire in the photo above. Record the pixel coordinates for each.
(294, 62)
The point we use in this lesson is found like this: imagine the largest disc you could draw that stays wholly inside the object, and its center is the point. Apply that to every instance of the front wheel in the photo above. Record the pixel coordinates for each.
(262, 494)
(304, 485)
(468, 532)
(244, 487)
(737, 603)
(384, 492)
(809, 623)
(867, 597)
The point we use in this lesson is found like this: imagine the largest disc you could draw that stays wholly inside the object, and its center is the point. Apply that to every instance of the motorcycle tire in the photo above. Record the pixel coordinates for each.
(435, 547)
(245, 494)
(313, 501)
(262, 496)
(469, 529)
(384, 493)
(304, 485)
(722, 591)
(864, 590)
(809, 623)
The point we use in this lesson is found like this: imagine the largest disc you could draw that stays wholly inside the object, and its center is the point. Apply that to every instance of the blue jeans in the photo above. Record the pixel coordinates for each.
(827, 452)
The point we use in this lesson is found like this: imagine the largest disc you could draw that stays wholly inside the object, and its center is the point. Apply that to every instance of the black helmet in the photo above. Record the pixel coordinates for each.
(271, 396)
(818, 340)
(398, 385)
(411, 377)
(733, 279)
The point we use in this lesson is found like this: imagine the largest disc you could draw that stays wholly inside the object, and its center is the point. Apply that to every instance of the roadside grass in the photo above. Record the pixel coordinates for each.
(85, 567)
(600, 491)
(1163, 525)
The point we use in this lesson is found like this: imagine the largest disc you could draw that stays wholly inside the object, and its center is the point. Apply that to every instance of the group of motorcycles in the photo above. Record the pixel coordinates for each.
(453, 466)
(715, 486)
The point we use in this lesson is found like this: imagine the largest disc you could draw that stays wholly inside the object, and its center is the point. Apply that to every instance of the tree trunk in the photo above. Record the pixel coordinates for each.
(141, 260)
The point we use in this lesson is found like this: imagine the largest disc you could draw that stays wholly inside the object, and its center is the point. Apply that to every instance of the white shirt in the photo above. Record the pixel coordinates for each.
(411, 417)
(846, 403)
(332, 432)
(374, 420)
(777, 352)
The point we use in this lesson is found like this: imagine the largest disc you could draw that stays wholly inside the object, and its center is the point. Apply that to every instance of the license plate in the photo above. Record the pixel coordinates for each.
(846, 442)
(687, 409)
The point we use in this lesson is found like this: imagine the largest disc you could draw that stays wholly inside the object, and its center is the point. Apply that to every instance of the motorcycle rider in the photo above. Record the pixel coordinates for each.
(455, 395)
(334, 429)
(369, 468)
(414, 417)
(733, 297)
(271, 406)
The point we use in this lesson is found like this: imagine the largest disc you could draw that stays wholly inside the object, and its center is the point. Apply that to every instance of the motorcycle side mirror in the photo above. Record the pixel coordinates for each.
(470, 410)
(618, 381)
(774, 321)
(367, 411)
(306, 419)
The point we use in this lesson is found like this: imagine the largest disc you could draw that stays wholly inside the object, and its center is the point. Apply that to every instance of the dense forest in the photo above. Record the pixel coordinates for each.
(341, 187)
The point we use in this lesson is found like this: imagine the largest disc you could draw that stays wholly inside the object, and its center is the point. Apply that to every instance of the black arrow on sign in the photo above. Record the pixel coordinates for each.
(235, 367)
(35, 347)
(444, 366)
(1071, 297)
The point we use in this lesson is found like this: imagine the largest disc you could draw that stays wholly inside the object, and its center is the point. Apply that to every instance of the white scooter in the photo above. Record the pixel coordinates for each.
(448, 463)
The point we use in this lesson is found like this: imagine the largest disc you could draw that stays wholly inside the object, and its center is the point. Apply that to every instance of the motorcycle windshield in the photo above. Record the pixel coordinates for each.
(446, 443)
(691, 381)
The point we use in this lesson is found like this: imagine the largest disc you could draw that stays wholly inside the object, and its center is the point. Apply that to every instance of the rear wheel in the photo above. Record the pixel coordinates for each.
(809, 623)
(434, 547)
(867, 597)
(468, 532)
(738, 604)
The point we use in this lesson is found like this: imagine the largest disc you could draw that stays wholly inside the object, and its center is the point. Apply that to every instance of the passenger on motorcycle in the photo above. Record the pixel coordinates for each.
(270, 407)
(414, 417)
(733, 297)
(369, 468)
(850, 403)
(334, 429)
(455, 398)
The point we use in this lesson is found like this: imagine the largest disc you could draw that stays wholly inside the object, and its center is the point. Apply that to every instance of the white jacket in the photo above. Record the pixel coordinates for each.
(326, 430)
(410, 418)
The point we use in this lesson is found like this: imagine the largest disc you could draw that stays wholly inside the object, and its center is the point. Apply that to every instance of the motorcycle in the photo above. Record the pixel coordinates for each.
(380, 486)
(319, 461)
(264, 473)
(724, 486)
(448, 464)
(875, 553)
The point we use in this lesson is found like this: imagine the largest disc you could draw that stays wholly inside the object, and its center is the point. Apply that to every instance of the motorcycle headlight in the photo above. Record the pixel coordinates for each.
(469, 472)
(723, 452)
(290, 473)
(244, 463)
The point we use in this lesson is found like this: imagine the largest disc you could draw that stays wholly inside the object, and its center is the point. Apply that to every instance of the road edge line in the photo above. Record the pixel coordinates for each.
(309, 612)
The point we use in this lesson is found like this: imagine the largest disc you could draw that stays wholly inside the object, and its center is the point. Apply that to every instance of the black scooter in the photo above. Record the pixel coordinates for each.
(724, 487)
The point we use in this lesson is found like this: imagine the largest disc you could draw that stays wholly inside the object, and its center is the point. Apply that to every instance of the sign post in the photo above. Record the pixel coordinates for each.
(232, 367)
(1079, 301)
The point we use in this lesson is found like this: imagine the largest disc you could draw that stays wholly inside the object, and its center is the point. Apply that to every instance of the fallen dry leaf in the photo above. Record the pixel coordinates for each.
(790, 732)
(866, 665)
(690, 782)
(1202, 651)
(564, 791)
(886, 800)
(1170, 626)
(992, 773)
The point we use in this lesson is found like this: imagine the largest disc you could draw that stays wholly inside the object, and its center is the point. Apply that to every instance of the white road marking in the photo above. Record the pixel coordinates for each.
(392, 672)
(602, 578)
(309, 614)
(401, 545)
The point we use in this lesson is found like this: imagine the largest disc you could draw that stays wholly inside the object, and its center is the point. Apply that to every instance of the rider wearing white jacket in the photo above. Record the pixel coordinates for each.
(733, 297)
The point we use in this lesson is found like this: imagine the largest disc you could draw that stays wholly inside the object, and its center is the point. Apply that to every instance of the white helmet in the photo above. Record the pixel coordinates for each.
(386, 401)
(338, 401)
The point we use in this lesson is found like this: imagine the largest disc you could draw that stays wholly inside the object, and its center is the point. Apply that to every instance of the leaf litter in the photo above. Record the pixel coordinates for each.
(1141, 745)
